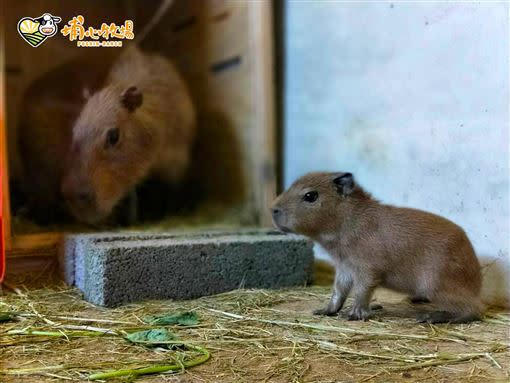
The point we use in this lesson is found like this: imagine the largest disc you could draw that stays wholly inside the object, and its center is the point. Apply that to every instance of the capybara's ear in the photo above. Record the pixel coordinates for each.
(344, 183)
(132, 98)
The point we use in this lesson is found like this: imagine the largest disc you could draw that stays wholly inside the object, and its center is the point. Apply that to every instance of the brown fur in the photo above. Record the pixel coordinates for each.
(49, 108)
(156, 136)
(373, 244)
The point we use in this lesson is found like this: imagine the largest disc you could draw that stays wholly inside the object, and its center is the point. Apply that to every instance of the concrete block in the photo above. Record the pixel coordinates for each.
(112, 269)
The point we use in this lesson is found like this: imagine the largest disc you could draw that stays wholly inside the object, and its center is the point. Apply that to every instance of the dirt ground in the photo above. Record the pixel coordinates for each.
(252, 336)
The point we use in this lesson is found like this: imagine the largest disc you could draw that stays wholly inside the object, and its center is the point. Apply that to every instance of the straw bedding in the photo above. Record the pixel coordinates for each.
(251, 335)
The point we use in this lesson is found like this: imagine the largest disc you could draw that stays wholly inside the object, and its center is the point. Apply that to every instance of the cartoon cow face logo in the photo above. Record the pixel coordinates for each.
(36, 30)
(47, 24)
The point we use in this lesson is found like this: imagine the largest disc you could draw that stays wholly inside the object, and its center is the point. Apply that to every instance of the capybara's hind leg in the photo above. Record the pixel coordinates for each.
(461, 307)
(447, 317)
(436, 317)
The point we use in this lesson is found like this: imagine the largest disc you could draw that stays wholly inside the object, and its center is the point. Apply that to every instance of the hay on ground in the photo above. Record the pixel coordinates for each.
(252, 335)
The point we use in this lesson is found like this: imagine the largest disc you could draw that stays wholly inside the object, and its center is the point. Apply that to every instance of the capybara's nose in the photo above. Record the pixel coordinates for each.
(80, 194)
(84, 196)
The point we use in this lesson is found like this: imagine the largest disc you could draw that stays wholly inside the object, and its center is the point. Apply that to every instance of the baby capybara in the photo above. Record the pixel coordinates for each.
(374, 244)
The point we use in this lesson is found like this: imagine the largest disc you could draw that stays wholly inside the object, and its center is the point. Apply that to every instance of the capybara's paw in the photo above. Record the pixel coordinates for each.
(359, 313)
(325, 311)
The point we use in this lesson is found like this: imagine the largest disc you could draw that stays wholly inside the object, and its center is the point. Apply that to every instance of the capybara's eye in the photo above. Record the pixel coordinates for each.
(311, 196)
(112, 137)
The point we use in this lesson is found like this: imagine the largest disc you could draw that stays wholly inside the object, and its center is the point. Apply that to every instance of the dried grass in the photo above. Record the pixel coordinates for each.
(252, 335)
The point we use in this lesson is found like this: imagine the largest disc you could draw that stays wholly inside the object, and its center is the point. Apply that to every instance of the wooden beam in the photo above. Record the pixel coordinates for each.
(261, 28)
(34, 245)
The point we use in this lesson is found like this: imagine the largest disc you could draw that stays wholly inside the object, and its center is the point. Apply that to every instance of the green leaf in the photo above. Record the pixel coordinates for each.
(184, 319)
(6, 316)
(154, 337)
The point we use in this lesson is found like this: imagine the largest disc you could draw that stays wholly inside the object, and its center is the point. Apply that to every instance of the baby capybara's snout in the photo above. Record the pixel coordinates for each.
(279, 215)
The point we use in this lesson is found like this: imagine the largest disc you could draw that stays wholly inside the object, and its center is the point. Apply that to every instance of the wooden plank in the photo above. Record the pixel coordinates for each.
(32, 266)
(239, 41)
(261, 31)
(33, 245)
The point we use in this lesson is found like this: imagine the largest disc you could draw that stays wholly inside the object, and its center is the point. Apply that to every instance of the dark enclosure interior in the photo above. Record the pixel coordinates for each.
(217, 47)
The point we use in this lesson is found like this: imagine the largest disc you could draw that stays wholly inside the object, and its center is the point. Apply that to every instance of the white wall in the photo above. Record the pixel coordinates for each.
(413, 98)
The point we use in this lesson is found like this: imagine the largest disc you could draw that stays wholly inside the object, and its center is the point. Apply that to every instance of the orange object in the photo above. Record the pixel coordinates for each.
(2, 231)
